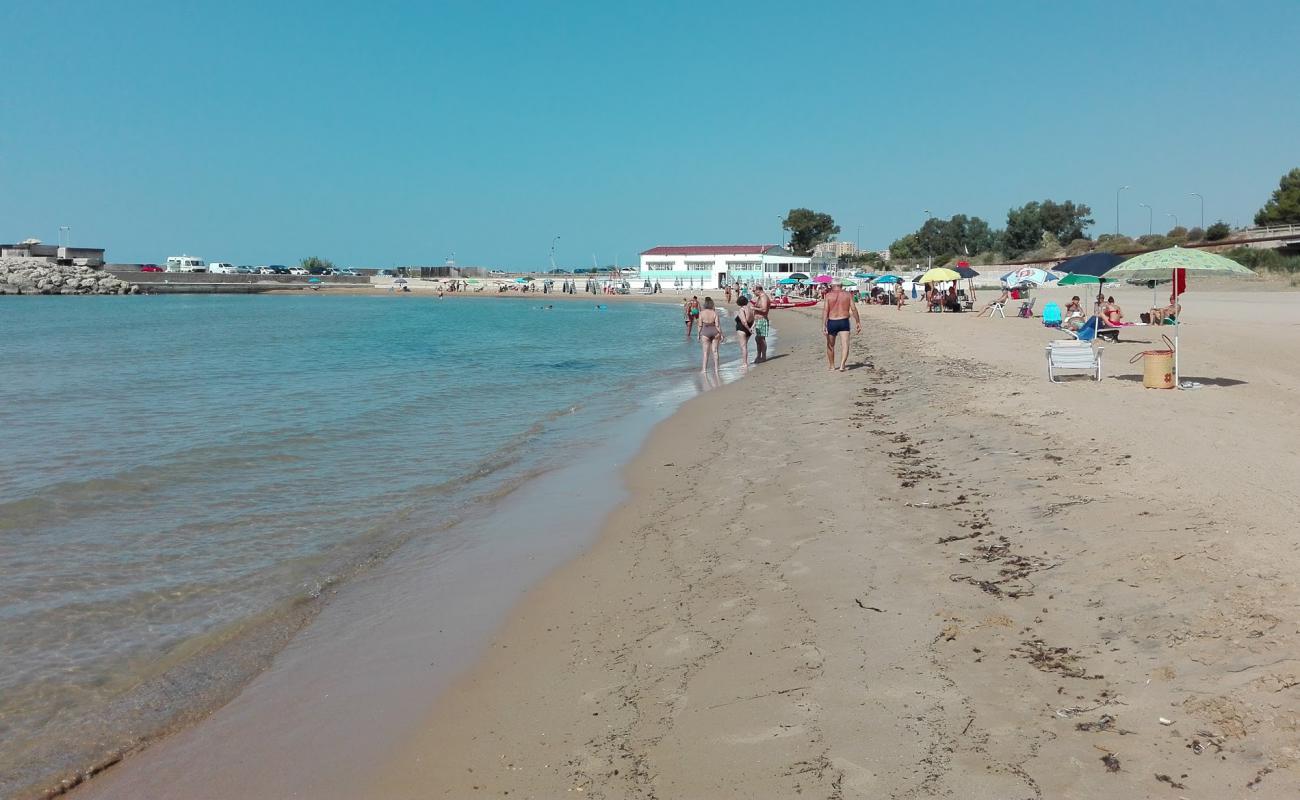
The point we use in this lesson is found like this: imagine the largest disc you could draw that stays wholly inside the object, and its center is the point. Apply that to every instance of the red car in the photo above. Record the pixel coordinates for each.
(150, 268)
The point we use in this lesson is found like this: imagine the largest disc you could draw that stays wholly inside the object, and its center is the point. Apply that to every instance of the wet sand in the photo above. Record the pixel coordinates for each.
(936, 574)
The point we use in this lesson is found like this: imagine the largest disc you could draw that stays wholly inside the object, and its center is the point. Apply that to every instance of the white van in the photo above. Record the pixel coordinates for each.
(185, 264)
(222, 268)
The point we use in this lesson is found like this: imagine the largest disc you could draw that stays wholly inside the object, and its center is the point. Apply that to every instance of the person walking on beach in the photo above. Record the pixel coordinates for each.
(693, 311)
(690, 318)
(744, 327)
(835, 322)
(762, 305)
(710, 335)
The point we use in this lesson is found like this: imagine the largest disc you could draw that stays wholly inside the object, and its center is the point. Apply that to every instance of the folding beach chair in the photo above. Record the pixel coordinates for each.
(967, 304)
(1052, 315)
(1070, 354)
(1027, 308)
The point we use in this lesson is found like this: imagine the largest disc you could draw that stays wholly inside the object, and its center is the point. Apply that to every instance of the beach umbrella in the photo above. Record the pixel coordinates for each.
(1074, 278)
(1177, 263)
(1090, 264)
(823, 279)
(864, 276)
(400, 282)
(965, 271)
(848, 282)
(1028, 276)
(889, 279)
(799, 276)
(940, 275)
(788, 281)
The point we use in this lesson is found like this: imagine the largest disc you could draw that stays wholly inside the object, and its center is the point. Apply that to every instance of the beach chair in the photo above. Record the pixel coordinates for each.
(967, 304)
(1052, 315)
(1027, 308)
(1072, 354)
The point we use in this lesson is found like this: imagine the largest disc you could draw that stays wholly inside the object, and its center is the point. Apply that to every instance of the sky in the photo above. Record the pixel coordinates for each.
(386, 133)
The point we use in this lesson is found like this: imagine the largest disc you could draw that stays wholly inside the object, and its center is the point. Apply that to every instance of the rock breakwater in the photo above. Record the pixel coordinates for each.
(34, 276)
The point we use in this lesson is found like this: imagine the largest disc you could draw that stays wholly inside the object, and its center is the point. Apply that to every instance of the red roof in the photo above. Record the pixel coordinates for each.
(709, 250)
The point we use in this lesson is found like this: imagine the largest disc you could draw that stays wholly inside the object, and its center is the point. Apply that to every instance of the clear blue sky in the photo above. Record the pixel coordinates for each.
(384, 133)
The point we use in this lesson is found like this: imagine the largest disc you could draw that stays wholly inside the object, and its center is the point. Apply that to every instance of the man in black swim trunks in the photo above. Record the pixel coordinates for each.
(835, 322)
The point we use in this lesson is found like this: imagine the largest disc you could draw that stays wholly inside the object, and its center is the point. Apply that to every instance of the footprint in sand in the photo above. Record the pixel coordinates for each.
(760, 541)
(681, 644)
(767, 734)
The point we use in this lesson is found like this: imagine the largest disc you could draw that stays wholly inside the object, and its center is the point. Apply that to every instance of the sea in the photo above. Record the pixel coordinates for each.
(177, 469)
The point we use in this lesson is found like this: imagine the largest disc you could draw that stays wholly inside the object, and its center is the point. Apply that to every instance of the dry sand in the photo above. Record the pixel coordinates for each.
(936, 575)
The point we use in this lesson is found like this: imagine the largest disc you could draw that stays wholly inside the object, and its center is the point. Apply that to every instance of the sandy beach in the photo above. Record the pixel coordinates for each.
(935, 575)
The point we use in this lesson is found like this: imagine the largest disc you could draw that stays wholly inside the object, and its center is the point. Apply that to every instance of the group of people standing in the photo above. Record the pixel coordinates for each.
(840, 321)
(750, 321)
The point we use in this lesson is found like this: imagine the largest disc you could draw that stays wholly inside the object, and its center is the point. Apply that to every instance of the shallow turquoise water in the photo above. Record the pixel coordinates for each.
(172, 465)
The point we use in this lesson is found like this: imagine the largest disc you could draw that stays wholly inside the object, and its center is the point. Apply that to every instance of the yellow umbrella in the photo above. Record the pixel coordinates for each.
(939, 275)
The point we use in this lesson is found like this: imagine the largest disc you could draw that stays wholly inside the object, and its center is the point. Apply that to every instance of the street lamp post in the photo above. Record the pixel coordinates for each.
(782, 221)
(1175, 216)
(1198, 196)
(929, 257)
(553, 241)
(1150, 224)
(1117, 191)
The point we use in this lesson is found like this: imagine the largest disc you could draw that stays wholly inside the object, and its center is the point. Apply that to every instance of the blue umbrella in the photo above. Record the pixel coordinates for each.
(1090, 264)
(864, 276)
(889, 279)
(789, 282)
(1031, 275)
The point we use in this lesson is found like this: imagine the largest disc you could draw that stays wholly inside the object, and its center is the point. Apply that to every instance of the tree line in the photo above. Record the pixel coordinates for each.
(1038, 230)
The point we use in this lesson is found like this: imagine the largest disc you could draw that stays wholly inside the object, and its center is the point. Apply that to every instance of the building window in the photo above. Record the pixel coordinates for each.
(659, 265)
(699, 266)
(738, 266)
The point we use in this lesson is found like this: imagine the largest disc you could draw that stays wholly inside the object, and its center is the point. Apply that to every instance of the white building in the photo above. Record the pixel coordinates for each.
(711, 266)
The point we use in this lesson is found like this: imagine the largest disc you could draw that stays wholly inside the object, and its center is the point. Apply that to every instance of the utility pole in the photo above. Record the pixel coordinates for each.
(553, 241)
(1150, 224)
(1198, 196)
(1117, 191)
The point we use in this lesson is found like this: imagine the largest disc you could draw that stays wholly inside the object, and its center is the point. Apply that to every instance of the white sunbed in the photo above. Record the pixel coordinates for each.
(1072, 354)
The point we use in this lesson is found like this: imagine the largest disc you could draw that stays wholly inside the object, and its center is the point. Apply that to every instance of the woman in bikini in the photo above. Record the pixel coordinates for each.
(710, 335)
(1112, 313)
(744, 327)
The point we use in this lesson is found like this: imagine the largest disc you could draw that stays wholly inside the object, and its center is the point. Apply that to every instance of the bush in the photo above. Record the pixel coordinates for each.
(1109, 243)
(1078, 247)
(315, 262)
(1178, 233)
(1195, 235)
(1264, 260)
(1217, 232)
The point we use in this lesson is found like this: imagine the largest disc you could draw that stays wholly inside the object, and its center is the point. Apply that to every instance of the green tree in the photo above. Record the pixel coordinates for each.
(315, 262)
(1283, 208)
(1195, 235)
(808, 229)
(1217, 232)
(945, 239)
(1027, 224)
(1178, 233)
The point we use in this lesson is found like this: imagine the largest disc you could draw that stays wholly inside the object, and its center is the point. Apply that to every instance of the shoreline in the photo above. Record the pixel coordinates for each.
(146, 769)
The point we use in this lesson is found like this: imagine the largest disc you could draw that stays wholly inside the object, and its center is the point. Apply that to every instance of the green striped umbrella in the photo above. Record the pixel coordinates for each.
(1160, 264)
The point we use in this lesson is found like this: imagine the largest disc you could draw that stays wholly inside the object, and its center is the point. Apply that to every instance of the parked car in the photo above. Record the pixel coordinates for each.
(558, 272)
(497, 272)
(351, 272)
(222, 268)
(265, 271)
(244, 270)
(281, 269)
(150, 268)
(297, 271)
(320, 271)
